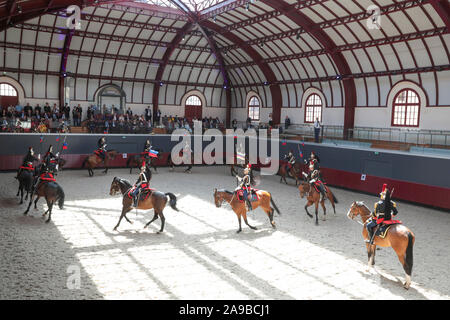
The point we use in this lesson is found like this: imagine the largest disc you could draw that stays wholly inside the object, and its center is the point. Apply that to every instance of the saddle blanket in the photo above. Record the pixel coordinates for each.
(47, 177)
(29, 167)
(383, 229)
(145, 193)
(240, 195)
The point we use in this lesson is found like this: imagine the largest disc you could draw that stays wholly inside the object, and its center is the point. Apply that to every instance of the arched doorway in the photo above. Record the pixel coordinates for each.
(110, 96)
(193, 108)
(8, 95)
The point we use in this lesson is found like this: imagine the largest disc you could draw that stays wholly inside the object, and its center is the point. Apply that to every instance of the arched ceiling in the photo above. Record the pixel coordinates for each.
(269, 46)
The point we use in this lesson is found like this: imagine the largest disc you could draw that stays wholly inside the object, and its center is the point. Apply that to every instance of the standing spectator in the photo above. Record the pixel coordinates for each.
(27, 109)
(234, 124)
(270, 120)
(148, 114)
(37, 109)
(287, 122)
(317, 127)
(129, 112)
(249, 122)
(47, 109)
(18, 110)
(157, 117)
(67, 112)
(75, 116)
(80, 115)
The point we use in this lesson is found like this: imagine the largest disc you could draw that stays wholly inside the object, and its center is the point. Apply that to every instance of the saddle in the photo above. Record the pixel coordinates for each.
(144, 194)
(384, 227)
(100, 153)
(240, 195)
(317, 183)
(28, 166)
(47, 176)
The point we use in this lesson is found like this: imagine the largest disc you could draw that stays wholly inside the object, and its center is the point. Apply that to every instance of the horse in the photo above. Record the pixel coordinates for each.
(264, 201)
(156, 200)
(135, 161)
(94, 160)
(26, 179)
(52, 192)
(293, 172)
(172, 165)
(399, 237)
(314, 198)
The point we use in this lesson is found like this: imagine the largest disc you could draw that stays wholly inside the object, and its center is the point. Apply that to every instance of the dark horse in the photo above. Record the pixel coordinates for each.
(135, 161)
(171, 164)
(399, 237)
(52, 192)
(314, 198)
(94, 160)
(26, 179)
(156, 200)
(293, 172)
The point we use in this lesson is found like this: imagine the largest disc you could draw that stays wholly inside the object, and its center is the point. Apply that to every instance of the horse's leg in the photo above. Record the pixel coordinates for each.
(21, 194)
(244, 214)
(35, 202)
(316, 205)
(239, 219)
(29, 204)
(50, 206)
(163, 221)
(370, 256)
(154, 218)
(124, 211)
(322, 203)
(306, 208)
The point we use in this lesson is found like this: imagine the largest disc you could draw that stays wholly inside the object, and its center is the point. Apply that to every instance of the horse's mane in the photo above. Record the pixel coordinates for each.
(362, 204)
(226, 191)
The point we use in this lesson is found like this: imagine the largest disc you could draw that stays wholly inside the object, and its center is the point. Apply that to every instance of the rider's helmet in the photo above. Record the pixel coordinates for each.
(50, 149)
(247, 169)
(313, 155)
(384, 191)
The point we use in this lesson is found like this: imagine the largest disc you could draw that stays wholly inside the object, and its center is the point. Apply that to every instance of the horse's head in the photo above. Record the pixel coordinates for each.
(304, 188)
(356, 209)
(218, 199)
(115, 187)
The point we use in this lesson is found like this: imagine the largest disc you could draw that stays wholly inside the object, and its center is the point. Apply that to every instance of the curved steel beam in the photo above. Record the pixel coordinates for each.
(442, 8)
(62, 71)
(341, 63)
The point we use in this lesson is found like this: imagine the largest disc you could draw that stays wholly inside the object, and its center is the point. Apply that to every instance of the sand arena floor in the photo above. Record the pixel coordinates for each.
(199, 255)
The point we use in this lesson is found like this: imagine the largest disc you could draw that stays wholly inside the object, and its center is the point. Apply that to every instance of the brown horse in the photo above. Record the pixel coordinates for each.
(52, 192)
(135, 161)
(93, 161)
(265, 199)
(293, 172)
(399, 237)
(172, 165)
(314, 198)
(156, 200)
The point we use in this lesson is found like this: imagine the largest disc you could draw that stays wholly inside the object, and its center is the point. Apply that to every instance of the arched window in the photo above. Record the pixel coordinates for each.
(313, 108)
(7, 90)
(193, 101)
(405, 109)
(193, 108)
(253, 108)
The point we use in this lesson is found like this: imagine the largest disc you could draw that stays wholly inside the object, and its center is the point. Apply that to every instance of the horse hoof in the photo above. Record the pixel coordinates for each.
(238, 231)
(47, 221)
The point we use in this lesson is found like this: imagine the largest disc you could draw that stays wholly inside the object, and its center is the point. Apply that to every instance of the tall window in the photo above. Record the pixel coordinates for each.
(7, 90)
(405, 110)
(253, 108)
(313, 108)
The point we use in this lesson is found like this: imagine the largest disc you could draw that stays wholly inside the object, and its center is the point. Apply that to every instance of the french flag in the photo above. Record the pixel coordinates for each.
(57, 138)
(41, 139)
(153, 153)
(64, 146)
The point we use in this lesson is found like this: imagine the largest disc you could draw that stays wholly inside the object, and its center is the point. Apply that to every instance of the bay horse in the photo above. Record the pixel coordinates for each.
(172, 165)
(135, 161)
(156, 200)
(314, 198)
(94, 160)
(52, 192)
(398, 237)
(26, 180)
(264, 201)
(293, 172)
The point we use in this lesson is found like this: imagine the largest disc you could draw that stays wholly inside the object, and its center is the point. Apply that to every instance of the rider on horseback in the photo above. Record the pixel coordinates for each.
(142, 183)
(314, 176)
(382, 212)
(291, 161)
(245, 185)
(101, 151)
(27, 163)
(49, 167)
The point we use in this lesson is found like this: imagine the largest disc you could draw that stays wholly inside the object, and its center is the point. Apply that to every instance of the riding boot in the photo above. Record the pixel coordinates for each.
(371, 236)
(135, 200)
(249, 205)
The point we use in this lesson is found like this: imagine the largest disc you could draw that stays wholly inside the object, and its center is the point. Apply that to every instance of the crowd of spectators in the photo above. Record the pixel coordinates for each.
(105, 119)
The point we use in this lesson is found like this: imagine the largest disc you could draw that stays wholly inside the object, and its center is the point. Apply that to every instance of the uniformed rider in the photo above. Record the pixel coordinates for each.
(245, 185)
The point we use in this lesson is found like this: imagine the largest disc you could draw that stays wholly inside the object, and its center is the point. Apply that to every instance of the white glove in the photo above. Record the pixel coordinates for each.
(57, 154)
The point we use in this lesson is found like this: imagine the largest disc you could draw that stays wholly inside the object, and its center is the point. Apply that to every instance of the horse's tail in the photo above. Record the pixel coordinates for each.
(335, 200)
(61, 196)
(274, 205)
(128, 161)
(172, 201)
(409, 254)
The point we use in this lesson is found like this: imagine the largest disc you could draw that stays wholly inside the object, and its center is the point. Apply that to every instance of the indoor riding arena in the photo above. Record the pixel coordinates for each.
(110, 112)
